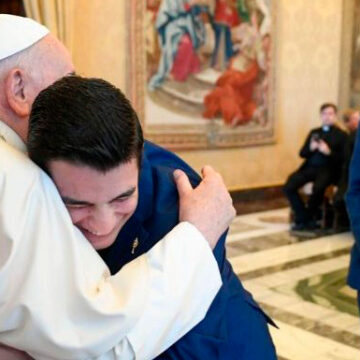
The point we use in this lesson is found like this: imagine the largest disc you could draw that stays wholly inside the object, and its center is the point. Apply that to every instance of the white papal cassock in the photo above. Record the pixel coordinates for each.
(57, 298)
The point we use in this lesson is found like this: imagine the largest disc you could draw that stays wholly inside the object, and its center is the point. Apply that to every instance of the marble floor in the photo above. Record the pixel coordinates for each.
(301, 283)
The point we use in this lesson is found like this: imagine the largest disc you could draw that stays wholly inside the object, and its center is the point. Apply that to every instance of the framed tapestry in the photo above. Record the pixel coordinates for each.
(349, 92)
(200, 72)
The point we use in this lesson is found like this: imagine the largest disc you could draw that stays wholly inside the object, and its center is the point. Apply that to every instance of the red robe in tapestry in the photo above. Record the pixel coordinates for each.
(233, 96)
(226, 13)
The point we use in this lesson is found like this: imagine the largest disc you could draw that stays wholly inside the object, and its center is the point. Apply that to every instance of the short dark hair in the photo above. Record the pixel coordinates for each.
(326, 105)
(348, 113)
(84, 121)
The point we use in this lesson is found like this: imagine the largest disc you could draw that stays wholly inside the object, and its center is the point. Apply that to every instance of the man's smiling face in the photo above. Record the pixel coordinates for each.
(99, 203)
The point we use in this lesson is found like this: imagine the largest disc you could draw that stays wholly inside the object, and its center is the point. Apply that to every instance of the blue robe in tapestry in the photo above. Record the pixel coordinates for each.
(172, 22)
(234, 328)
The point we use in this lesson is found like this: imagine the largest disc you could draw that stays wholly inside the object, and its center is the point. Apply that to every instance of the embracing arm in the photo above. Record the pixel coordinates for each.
(57, 297)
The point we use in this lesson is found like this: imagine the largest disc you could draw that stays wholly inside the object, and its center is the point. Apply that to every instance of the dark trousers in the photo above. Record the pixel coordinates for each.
(341, 215)
(321, 177)
(341, 220)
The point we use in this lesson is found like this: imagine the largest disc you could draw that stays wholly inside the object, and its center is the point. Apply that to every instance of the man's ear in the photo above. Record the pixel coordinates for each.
(17, 92)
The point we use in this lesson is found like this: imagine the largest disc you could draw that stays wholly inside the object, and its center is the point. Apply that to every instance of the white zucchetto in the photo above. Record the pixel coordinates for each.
(18, 33)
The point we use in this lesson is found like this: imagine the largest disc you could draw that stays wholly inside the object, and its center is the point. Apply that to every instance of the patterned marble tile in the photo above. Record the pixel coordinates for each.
(256, 218)
(271, 251)
(329, 290)
(304, 271)
(289, 265)
(301, 283)
(265, 242)
(278, 300)
(257, 233)
(318, 327)
(262, 224)
(240, 227)
(344, 321)
(299, 344)
(275, 219)
(354, 329)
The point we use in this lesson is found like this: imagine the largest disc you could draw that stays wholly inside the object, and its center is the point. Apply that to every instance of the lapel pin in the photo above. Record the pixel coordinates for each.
(135, 244)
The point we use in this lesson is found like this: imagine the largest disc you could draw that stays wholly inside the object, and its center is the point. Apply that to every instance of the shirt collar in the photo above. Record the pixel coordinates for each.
(11, 137)
(146, 188)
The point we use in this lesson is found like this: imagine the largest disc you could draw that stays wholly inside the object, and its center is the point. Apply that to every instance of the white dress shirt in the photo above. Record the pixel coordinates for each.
(57, 298)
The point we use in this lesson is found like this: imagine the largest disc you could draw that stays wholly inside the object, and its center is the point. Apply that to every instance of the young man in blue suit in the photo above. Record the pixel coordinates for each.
(84, 133)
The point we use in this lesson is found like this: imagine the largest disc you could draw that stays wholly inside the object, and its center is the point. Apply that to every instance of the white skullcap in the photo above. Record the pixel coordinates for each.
(18, 33)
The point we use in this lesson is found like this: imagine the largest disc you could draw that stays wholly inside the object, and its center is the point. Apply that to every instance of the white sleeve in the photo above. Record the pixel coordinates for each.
(162, 323)
(57, 298)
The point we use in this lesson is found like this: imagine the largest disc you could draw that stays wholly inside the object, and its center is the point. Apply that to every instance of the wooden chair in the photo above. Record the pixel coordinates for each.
(326, 206)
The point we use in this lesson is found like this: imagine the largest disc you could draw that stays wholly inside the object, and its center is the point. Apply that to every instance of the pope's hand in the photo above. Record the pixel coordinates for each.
(209, 206)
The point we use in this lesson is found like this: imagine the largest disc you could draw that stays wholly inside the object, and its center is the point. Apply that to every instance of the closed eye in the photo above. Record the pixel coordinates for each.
(75, 204)
(124, 196)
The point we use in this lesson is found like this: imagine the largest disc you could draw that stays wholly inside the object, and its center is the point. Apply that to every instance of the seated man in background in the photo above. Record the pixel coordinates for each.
(351, 119)
(322, 151)
(86, 135)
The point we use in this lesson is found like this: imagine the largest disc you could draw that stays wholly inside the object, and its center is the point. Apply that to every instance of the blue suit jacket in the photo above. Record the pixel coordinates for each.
(234, 327)
(353, 206)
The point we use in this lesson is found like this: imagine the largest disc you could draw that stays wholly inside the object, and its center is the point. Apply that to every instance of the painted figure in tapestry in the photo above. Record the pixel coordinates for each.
(209, 59)
(181, 33)
(225, 18)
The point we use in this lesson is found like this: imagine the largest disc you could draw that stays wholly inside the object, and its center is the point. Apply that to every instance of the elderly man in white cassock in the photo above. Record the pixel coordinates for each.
(57, 298)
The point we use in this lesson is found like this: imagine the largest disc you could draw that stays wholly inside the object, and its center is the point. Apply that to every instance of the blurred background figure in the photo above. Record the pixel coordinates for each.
(351, 122)
(323, 152)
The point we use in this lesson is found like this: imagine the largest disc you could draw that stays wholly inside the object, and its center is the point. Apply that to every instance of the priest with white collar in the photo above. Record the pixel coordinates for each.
(323, 157)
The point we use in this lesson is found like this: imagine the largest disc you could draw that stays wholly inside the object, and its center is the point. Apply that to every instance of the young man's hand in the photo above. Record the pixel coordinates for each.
(209, 206)
(314, 145)
(324, 147)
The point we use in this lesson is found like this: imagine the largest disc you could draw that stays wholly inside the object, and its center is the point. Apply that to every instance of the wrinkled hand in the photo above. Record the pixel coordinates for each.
(209, 206)
(324, 147)
(12, 354)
